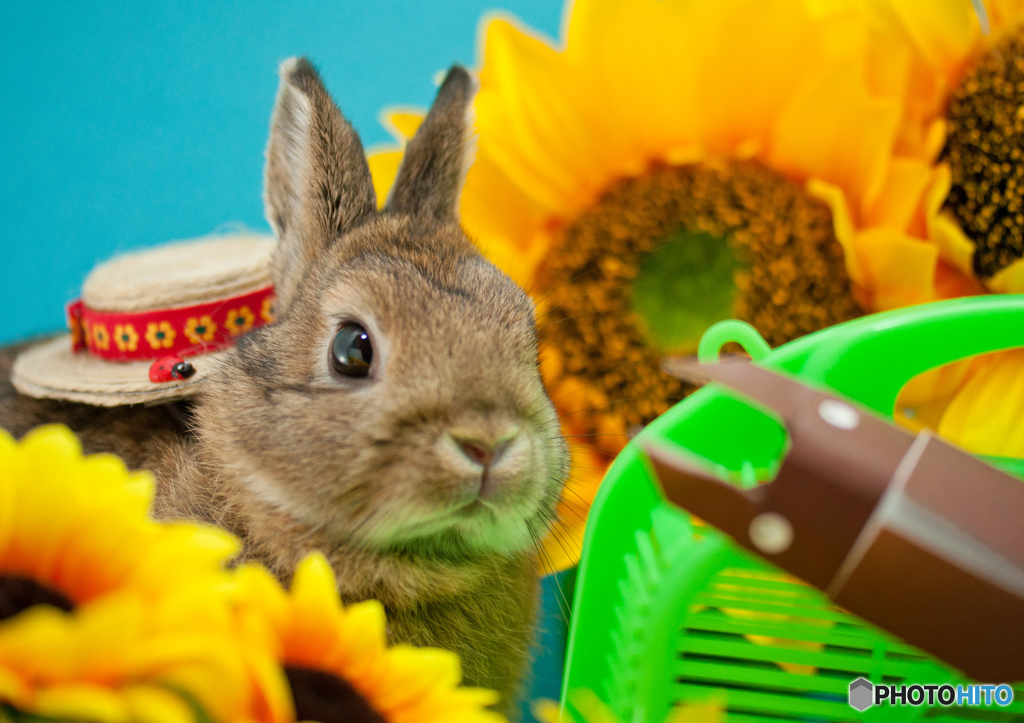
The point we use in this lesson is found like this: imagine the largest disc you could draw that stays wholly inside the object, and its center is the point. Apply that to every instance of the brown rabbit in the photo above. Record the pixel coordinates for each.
(393, 416)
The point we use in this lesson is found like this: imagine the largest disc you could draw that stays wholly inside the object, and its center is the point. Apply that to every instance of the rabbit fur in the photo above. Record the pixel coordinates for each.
(291, 456)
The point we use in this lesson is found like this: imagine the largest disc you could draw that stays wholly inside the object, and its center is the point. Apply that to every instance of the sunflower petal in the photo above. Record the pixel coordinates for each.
(13, 689)
(1009, 279)
(899, 267)
(843, 226)
(900, 202)
(317, 608)
(82, 702)
(384, 163)
(837, 131)
(504, 222)
(81, 526)
(413, 673)
(987, 415)
(536, 127)
(943, 31)
(149, 704)
(402, 122)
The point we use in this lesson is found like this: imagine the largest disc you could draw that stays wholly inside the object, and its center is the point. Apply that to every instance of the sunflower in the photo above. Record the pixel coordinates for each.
(104, 614)
(968, 92)
(336, 659)
(128, 658)
(670, 163)
(75, 528)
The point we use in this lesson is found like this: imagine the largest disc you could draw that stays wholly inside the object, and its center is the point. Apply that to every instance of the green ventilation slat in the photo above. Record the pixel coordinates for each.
(751, 701)
(728, 673)
(840, 637)
(717, 648)
(747, 603)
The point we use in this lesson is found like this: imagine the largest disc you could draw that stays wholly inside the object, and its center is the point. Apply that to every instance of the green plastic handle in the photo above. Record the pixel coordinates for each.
(731, 331)
(871, 359)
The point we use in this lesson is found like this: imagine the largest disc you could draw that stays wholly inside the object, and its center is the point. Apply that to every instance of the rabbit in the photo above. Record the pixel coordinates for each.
(392, 417)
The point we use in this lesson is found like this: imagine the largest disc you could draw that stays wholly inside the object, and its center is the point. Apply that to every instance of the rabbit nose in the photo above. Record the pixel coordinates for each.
(483, 452)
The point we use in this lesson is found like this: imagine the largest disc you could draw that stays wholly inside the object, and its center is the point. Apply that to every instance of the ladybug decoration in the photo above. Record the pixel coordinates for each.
(170, 369)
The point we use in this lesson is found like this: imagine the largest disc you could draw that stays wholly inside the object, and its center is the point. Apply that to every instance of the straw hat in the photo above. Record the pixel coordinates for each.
(151, 324)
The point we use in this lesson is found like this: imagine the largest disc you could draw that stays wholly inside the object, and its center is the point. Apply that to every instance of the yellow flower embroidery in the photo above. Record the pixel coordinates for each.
(160, 335)
(239, 320)
(267, 311)
(100, 337)
(126, 337)
(200, 329)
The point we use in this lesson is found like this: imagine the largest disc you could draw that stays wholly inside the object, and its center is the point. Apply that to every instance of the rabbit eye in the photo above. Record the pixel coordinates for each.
(351, 351)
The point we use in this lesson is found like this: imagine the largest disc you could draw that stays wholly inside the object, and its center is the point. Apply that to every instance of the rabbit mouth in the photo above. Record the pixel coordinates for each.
(475, 525)
(474, 507)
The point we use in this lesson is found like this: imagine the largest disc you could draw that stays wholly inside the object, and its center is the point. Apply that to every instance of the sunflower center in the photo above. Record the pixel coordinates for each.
(683, 287)
(659, 258)
(20, 593)
(323, 697)
(985, 152)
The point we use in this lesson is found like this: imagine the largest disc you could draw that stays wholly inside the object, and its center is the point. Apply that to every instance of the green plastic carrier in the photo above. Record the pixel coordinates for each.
(668, 611)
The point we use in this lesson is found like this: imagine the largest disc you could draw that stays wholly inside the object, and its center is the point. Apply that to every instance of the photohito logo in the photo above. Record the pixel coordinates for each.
(864, 694)
(861, 694)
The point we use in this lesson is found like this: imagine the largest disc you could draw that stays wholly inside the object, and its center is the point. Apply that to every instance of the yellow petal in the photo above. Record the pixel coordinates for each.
(149, 704)
(900, 269)
(274, 697)
(384, 163)
(315, 588)
(413, 672)
(83, 702)
(901, 197)
(187, 550)
(13, 689)
(1009, 279)
(591, 707)
(359, 652)
(402, 122)
(7, 508)
(943, 31)
(503, 220)
(709, 711)
(546, 711)
(646, 96)
(954, 246)
(40, 628)
(838, 132)
(535, 128)
(923, 400)
(52, 444)
(741, 93)
(1004, 12)
(317, 607)
(842, 224)
(987, 415)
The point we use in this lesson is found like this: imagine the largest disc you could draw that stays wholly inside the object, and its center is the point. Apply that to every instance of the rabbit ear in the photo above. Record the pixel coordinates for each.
(436, 159)
(317, 183)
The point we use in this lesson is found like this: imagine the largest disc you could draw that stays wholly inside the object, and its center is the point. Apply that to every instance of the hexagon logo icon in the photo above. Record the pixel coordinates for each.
(862, 694)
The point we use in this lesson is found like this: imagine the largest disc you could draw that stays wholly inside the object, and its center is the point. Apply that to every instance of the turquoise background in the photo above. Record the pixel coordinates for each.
(126, 124)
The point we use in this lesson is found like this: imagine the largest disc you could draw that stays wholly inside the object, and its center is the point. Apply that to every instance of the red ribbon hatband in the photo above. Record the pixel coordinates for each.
(179, 332)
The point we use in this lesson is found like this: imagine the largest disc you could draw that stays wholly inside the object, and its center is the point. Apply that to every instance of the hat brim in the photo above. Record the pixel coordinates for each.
(51, 370)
